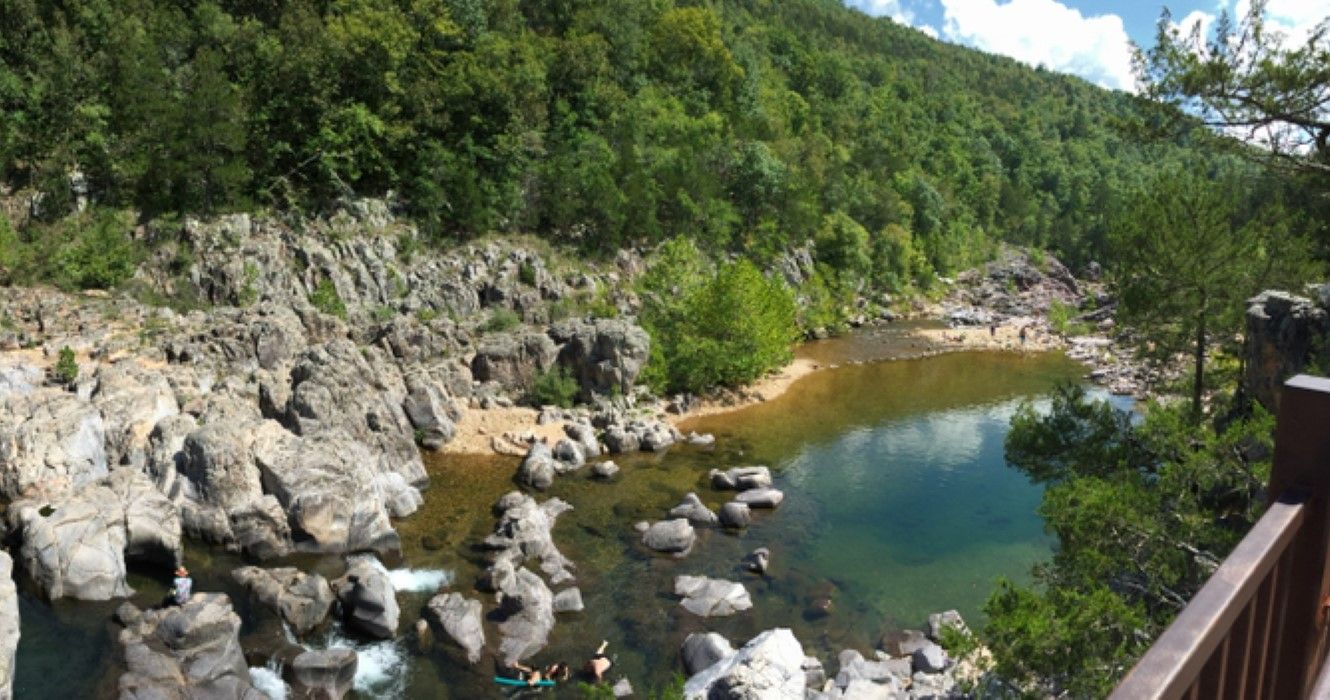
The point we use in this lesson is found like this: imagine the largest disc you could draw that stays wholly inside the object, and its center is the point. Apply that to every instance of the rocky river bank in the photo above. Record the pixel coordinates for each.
(285, 417)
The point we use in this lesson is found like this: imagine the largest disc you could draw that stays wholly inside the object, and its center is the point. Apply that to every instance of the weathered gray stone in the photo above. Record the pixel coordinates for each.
(709, 597)
(741, 478)
(736, 515)
(702, 649)
(568, 600)
(538, 467)
(671, 536)
(760, 497)
(513, 360)
(460, 619)
(694, 510)
(52, 442)
(369, 603)
(768, 667)
(526, 607)
(930, 659)
(605, 355)
(189, 651)
(937, 622)
(302, 600)
(9, 626)
(604, 470)
(325, 674)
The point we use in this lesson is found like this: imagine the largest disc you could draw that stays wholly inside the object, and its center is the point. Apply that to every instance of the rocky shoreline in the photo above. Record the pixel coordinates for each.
(289, 418)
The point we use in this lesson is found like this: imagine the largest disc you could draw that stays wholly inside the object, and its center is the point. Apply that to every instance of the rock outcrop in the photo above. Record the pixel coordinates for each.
(702, 649)
(9, 626)
(694, 511)
(192, 650)
(1284, 333)
(671, 536)
(76, 545)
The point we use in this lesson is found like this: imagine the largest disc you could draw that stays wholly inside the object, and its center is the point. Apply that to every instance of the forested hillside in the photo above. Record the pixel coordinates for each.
(743, 123)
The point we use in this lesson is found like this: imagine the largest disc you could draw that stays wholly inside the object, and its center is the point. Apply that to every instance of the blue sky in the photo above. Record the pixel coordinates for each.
(1088, 38)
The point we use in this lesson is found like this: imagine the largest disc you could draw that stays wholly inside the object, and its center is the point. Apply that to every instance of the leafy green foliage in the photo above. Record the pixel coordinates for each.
(747, 126)
(66, 367)
(556, 387)
(1143, 513)
(1060, 318)
(501, 320)
(326, 299)
(712, 326)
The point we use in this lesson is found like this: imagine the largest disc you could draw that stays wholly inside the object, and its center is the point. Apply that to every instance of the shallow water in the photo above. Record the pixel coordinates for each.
(898, 504)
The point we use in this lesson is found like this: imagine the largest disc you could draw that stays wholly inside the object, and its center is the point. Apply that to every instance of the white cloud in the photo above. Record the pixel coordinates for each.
(1294, 18)
(1045, 32)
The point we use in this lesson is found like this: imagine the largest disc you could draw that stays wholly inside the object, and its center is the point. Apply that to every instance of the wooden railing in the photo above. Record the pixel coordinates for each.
(1257, 629)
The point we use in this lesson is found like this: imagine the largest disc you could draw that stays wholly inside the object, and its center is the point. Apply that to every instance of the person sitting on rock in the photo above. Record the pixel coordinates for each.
(181, 587)
(599, 663)
(533, 676)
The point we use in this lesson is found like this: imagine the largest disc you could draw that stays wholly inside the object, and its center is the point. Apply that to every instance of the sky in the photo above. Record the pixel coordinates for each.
(1089, 38)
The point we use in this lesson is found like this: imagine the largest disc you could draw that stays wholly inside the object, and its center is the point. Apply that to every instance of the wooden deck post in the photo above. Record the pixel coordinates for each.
(1302, 462)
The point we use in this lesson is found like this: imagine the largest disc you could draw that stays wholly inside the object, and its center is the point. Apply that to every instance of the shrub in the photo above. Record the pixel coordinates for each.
(501, 320)
(384, 314)
(526, 273)
(557, 387)
(66, 368)
(1060, 319)
(250, 292)
(427, 314)
(100, 255)
(727, 328)
(326, 299)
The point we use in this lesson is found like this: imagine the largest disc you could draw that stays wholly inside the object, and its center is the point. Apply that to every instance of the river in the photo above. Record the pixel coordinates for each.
(898, 504)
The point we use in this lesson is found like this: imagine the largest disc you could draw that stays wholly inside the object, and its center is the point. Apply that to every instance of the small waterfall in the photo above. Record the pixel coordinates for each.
(268, 680)
(416, 580)
(382, 666)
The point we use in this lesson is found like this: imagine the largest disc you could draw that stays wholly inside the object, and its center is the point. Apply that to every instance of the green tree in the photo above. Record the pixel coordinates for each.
(66, 367)
(1242, 77)
(1187, 253)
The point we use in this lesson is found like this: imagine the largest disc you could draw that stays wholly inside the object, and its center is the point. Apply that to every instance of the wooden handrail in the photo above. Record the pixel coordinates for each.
(1177, 657)
(1258, 627)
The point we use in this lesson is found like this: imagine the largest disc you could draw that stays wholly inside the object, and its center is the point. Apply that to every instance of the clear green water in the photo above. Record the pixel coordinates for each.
(898, 504)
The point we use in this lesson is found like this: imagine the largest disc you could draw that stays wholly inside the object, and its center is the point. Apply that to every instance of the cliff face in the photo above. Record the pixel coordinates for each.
(1285, 334)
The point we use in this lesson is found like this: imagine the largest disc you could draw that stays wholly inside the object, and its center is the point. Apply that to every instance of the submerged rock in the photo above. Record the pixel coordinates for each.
(189, 651)
(710, 597)
(459, 618)
(604, 470)
(568, 600)
(759, 560)
(369, 603)
(302, 600)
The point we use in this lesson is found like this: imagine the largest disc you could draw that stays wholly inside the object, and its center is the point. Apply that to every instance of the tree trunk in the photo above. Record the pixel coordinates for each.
(1198, 380)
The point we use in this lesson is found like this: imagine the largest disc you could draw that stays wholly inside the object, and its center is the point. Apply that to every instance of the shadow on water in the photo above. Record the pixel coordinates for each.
(898, 503)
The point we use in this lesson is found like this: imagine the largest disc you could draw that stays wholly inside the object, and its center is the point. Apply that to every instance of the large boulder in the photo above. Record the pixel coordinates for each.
(513, 360)
(604, 355)
(189, 651)
(50, 442)
(736, 515)
(9, 626)
(702, 649)
(430, 412)
(222, 488)
(302, 600)
(671, 536)
(711, 597)
(538, 468)
(323, 674)
(460, 619)
(769, 667)
(369, 602)
(76, 545)
(526, 613)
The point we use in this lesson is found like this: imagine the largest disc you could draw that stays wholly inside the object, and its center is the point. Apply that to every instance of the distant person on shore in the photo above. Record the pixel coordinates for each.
(1023, 335)
(599, 663)
(992, 330)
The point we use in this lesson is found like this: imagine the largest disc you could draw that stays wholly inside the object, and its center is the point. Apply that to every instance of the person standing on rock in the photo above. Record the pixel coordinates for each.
(181, 587)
